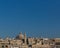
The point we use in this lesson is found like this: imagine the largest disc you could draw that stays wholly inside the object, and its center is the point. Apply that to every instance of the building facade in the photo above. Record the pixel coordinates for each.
(21, 41)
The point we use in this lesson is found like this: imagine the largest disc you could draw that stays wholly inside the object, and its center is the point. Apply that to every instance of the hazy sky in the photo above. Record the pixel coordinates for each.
(35, 17)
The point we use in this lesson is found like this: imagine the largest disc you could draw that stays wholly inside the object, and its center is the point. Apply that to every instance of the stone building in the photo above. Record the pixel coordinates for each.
(21, 41)
(57, 42)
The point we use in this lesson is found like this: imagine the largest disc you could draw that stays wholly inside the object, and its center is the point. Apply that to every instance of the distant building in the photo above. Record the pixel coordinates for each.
(21, 41)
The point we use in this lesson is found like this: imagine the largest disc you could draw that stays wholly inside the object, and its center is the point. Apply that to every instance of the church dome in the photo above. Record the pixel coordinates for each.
(20, 36)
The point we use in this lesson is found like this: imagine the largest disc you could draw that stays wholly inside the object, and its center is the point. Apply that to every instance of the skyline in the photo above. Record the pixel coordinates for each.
(42, 17)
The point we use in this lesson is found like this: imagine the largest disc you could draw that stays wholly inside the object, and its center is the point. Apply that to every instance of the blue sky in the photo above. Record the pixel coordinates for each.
(35, 17)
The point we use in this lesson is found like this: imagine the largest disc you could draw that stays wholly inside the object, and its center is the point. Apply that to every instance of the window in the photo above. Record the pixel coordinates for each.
(3, 46)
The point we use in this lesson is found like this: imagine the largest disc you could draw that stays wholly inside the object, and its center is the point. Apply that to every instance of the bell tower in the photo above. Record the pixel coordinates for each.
(25, 38)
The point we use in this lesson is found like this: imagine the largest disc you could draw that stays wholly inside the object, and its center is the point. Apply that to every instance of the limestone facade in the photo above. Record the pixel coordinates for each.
(21, 41)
